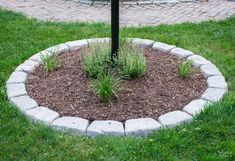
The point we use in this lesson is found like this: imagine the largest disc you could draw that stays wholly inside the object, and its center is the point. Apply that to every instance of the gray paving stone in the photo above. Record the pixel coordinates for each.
(209, 70)
(58, 49)
(72, 124)
(217, 82)
(162, 46)
(36, 57)
(75, 45)
(108, 127)
(141, 126)
(15, 90)
(196, 106)
(24, 103)
(42, 114)
(198, 60)
(181, 53)
(142, 43)
(174, 118)
(214, 94)
(98, 40)
(28, 66)
(17, 77)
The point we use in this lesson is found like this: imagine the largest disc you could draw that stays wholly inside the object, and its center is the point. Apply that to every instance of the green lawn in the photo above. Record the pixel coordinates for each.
(211, 136)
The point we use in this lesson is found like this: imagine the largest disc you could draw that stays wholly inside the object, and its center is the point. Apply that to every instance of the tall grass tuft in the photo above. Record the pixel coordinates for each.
(105, 86)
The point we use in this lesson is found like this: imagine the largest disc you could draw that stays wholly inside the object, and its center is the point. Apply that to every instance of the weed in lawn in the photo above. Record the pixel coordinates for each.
(184, 69)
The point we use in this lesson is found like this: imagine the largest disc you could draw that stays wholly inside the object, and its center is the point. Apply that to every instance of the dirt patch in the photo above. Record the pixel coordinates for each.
(161, 90)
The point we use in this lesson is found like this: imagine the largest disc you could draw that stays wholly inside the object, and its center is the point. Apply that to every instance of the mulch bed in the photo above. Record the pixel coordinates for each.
(161, 90)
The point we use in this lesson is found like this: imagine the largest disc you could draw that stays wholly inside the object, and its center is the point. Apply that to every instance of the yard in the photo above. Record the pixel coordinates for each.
(211, 136)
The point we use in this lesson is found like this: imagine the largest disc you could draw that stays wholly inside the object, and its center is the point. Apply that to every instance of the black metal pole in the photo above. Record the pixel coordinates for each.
(115, 28)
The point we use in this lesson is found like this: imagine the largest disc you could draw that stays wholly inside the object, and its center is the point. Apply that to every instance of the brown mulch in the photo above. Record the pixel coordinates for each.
(161, 90)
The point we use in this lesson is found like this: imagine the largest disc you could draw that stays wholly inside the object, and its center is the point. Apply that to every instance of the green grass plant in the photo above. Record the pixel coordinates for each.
(96, 59)
(106, 86)
(50, 62)
(184, 69)
(132, 62)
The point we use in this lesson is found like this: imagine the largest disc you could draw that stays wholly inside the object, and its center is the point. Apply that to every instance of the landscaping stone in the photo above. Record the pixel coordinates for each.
(17, 77)
(98, 40)
(142, 43)
(217, 82)
(42, 114)
(174, 118)
(24, 102)
(72, 124)
(28, 66)
(162, 46)
(75, 45)
(36, 57)
(198, 60)
(108, 127)
(196, 106)
(181, 53)
(15, 90)
(214, 94)
(58, 49)
(209, 70)
(141, 126)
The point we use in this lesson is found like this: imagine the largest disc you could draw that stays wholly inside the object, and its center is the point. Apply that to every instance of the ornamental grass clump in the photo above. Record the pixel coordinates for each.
(50, 62)
(96, 59)
(185, 69)
(105, 86)
(132, 63)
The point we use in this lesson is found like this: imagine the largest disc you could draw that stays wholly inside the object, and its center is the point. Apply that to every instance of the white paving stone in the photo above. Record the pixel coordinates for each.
(141, 126)
(15, 90)
(98, 40)
(58, 49)
(24, 103)
(174, 118)
(142, 43)
(214, 94)
(72, 124)
(209, 70)
(217, 82)
(108, 127)
(75, 45)
(198, 60)
(196, 106)
(162, 46)
(181, 53)
(42, 114)
(17, 77)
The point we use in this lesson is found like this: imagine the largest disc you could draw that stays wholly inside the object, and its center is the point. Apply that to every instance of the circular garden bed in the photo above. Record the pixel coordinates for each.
(162, 97)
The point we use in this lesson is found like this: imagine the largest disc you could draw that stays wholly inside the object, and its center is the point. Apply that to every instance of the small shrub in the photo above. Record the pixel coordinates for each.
(105, 86)
(96, 59)
(184, 69)
(51, 62)
(132, 62)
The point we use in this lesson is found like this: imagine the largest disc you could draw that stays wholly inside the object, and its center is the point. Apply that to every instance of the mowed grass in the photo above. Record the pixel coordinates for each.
(211, 136)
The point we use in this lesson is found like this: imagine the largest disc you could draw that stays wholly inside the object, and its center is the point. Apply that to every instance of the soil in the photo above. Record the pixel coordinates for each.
(161, 90)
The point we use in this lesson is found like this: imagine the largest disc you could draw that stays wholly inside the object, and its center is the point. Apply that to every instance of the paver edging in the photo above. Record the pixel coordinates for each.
(17, 94)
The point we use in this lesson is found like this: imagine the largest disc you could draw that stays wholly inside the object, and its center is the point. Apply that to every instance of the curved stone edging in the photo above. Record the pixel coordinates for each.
(17, 94)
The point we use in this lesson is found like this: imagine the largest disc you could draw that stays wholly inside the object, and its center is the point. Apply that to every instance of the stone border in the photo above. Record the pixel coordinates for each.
(17, 94)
